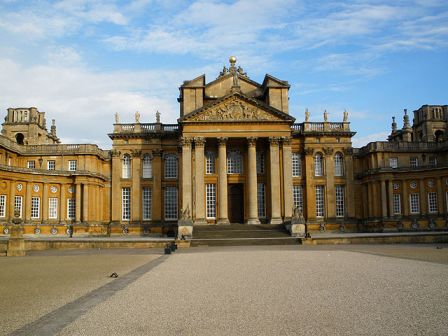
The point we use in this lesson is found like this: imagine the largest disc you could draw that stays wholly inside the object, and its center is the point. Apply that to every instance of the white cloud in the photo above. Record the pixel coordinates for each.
(360, 141)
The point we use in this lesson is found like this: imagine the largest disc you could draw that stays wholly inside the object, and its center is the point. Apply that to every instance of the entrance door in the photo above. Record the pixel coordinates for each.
(236, 203)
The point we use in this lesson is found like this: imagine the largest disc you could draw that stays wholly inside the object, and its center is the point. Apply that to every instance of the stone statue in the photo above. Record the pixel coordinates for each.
(158, 117)
(137, 117)
(345, 116)
(117, 118)
(224, 71)
(186, 213)
(307, 115)
(235, 79)
(325, 115)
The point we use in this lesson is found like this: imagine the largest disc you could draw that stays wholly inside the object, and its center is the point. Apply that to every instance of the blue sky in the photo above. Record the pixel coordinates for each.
(81, 61)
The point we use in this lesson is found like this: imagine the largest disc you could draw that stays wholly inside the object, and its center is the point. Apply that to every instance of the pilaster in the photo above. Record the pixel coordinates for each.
(199, 144)
(287, 178)
(252, 181)
(186, 175)
(275, 180)
(223, 217)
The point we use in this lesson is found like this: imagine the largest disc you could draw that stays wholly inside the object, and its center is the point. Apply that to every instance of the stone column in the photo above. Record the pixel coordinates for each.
(405, 201)
(78, 203)
(223, 217)
(309, 192)
(115, 190)
(287, 178)
(349, 186)
(199, 143)
(27, 207)
(390, 191)
(275, 180)
(383, 199)
(85, 203)
(330, 192)
(63, 207)
(157, 185)
(440, 196)
(186, 175)
(370, 199)
(252, 181)
(45, 203)
(423, 198)
(136, 190)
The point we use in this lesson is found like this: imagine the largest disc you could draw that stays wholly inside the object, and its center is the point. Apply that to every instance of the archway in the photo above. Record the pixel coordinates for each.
(19, 138)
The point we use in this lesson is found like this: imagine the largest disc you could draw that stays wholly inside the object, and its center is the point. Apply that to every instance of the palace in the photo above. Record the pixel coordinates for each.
(236, 155)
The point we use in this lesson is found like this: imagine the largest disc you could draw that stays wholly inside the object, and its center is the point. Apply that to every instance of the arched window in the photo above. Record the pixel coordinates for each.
(126, 166)
(338, 165)
(296, 165)
(234, 162)
(318, 165)
(147, 166)
(209, 162)
(171, 166)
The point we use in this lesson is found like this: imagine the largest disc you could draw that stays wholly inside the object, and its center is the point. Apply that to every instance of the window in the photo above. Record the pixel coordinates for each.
(210, 162)
(35, 207)
(338, 165)
(260, 162)
(393, 162)
(18, 205)
(71, 208)
(2, 205)
(414, 162)
(53, 208)
(297, 193)
(318, 165)
(320, 204)
(147, 201)
(261, 200)
(126, 204)
(72, 165)
(171, 166)
(432, 161)
(170, 203)
(210, 190)
(147, 166)
(432, 202)
(397, 204)
(31, 164)
(51, 165)
(234, 162)
(126, 166)
(296, 165)
(414, 203)
(340, 207)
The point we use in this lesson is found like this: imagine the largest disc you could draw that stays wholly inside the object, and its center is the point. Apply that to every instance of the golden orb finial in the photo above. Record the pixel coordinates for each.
(232, 60)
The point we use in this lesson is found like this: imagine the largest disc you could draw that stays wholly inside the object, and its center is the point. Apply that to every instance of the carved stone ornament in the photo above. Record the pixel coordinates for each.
(115, 153)
(19, 187)
(136, 152)
(348, 151)
(252, 141)
(328, 150)
(308, 151)
(35, 188)
(286, 141)
(222, 141)
(157, 152)
(274, 141)
(186, 142)
(199, 141)
(233, 109)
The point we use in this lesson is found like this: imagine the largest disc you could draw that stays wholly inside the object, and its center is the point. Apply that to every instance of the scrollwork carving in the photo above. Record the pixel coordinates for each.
(308, 151)
(328, 150)
(199, 141)
(252, 141)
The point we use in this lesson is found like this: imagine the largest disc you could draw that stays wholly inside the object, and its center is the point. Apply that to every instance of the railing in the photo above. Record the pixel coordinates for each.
(321, 127)
(297, 127)
(170, 127)
(145, 128)
(384, 146)
(400, 169)
(318, 126)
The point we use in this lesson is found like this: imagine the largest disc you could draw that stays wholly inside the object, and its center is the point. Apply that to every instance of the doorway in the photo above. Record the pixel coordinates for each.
(235, 194)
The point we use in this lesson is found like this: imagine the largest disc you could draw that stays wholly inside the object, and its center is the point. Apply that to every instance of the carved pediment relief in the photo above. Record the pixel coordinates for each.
(233, 109)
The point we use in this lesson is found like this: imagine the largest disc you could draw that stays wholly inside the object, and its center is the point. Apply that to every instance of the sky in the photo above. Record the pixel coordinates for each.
(82, 61)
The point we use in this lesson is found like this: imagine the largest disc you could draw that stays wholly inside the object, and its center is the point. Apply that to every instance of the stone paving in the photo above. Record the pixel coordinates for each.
(260, 290)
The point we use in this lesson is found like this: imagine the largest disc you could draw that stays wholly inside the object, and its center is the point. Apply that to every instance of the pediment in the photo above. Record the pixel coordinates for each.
(237, 108)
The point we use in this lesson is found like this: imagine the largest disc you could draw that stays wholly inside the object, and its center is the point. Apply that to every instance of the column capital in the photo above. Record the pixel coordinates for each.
(286, 141)
(328, 150)
(199, 141)
(136, 153)
(274, 141)
(348, 151)
(252, 141)
(308, 151)
(185, 142)
(222, 140)
(115, 153)
(157, 152)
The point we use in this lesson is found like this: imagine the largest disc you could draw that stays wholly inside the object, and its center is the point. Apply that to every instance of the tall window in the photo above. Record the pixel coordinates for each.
(433, 161)
(432, 202)
(31, 164)
(126, 166)
(414, 162)
(397, 204)
(296, 165)
(53, 208)
(209, 162)
(414, 203)
(147, 202)
(51, 164)
(393, 162)
(72, 165)
(297, 193)
(318, 165)
(340, 207)
(260, 162)
(171, 166)
(210, 190)
(2, 205)
(35, 207)
(171, 203)
(338, 165)
(71, 208)
(18, 204)
(261, 200)
(147, 166)
(234, 162)
(320, 203)
(126, 204)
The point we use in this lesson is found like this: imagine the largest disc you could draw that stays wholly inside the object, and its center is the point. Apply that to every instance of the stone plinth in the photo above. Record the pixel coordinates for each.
(297, 226)
(185, 229)
(16, 243)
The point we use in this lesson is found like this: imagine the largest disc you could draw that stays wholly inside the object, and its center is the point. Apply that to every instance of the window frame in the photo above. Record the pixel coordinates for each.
(52, 208)
(35, 207)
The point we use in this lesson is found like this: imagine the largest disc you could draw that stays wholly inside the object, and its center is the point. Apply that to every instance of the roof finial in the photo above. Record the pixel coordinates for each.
(158, 117)
(232, 60)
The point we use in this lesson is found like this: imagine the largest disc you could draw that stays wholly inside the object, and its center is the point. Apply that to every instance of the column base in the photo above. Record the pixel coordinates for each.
(223, 221)
(276, 221)
(200, 222)
(253, 221)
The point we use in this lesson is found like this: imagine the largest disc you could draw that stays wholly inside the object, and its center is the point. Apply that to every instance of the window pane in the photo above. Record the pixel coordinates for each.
(397, 204)
(2, 205)
(318, 166)
(296, 165)
(171, 203)
(297, 192)
(147, 166)
(71, 208)
(147, 200)
(340, 207)
(210, 162)
(126, 203)
(261, 200)
(171, 166)
(211, 200)
(53, 208)
(35, 207)
(126, 167)
(432, 202)
(320, 205)
(338, 165)
(234, 162)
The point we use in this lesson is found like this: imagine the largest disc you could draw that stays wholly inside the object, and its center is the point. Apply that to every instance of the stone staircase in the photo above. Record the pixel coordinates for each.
(241, 235)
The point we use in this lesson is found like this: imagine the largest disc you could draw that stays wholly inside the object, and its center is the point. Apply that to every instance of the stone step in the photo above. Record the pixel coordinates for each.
(245, 241)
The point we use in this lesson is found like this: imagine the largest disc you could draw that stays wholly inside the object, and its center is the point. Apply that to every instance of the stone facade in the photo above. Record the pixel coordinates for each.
(236, 155)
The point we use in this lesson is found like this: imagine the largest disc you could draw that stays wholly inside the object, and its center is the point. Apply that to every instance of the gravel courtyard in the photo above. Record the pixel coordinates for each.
(330, 290)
